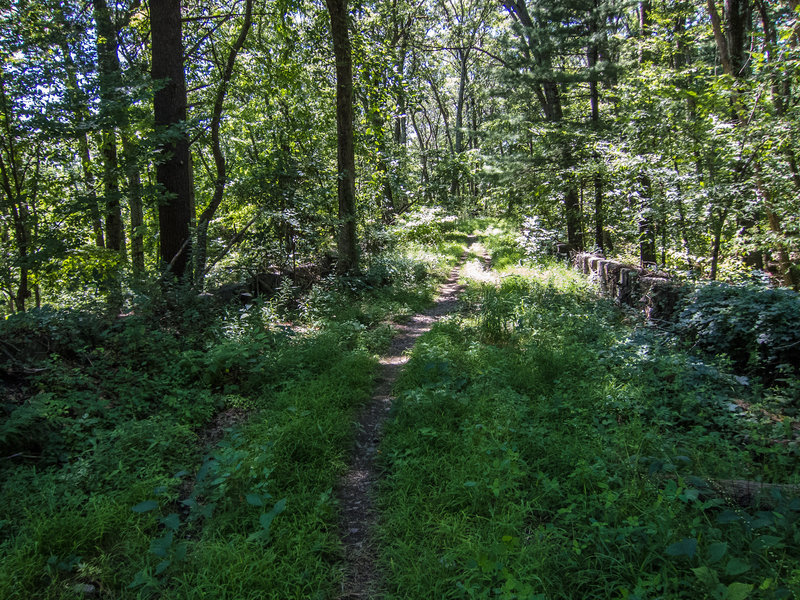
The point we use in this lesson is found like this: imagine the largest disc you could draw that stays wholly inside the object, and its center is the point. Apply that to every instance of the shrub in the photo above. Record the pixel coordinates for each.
(753, 325)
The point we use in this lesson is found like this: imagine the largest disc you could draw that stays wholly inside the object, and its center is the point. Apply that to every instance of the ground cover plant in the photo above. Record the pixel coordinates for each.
(193, 452)
(545, 444)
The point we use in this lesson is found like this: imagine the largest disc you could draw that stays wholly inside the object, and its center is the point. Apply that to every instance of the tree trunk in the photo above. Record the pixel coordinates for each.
(644, 30)
(720, 38)
(463, 56)
(573, 216)
(201, 248)
(647, 235)
(443, 110)
(79, 109)
(346, 243)
(715, 248)
(130, 150)
(91, 195)
(173, 173)
(738, 18)
(599, 237)
(110, 117)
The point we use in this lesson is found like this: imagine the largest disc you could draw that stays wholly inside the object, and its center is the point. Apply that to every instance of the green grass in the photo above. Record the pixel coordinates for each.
(544, 445)
(112, 489)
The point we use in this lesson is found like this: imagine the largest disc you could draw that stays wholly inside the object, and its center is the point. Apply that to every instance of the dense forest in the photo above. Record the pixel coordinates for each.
(290, 307)
(664, 132)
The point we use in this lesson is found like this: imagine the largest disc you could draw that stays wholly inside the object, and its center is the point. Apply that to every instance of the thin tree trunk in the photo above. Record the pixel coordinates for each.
(14, 188)
(201, 248)
(443, 110)
(110, 82)
(599, 236)
(715, 248)
(131, 154)
(647, 237)
(79, 112)
(573, 215)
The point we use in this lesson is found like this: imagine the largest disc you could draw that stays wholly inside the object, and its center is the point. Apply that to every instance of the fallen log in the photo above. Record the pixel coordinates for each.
(755, 494)
(741, 492)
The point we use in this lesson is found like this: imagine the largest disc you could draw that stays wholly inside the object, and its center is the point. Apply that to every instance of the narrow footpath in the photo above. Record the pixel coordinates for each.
(358, 515)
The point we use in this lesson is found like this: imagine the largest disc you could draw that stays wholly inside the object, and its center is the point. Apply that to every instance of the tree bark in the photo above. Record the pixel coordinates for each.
(720, 38)
(130, 150)
(110, 109)
(173, 173)
(346, 242)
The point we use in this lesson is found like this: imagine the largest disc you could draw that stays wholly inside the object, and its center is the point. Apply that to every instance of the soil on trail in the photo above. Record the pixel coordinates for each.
(358, 515)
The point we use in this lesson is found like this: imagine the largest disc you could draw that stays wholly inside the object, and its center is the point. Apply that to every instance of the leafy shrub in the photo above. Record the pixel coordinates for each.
(426, 225)
(33, 335)
(395, 270)
(537, 240)
(755, 326)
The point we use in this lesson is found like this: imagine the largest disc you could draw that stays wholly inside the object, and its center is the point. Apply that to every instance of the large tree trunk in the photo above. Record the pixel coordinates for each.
(347, 247)
(173, 173)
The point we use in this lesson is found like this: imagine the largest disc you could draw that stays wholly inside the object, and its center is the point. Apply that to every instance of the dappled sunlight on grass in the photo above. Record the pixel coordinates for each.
(541, 447)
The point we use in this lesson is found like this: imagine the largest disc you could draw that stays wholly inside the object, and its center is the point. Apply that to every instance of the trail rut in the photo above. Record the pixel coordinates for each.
(355, 493)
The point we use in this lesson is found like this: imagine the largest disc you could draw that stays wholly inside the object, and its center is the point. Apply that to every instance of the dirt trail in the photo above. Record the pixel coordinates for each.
(358, 515)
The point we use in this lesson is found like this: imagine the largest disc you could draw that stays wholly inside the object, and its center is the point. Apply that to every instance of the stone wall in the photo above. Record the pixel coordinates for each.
(653, 293)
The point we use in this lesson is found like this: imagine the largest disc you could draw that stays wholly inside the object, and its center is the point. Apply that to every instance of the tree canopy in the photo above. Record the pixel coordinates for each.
(661, 132)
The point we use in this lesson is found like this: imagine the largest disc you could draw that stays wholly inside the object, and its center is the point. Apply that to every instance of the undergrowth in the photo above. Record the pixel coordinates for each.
(544, 444)
(183, 450)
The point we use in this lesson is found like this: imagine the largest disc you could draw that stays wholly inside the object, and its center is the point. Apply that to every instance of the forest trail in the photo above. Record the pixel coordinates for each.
(358, 515)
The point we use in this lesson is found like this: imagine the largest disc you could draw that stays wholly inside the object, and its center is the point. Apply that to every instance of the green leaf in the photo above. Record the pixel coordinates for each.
(171, 521)
(180, 552)
(738, 591)
(763, 542)
(706, 576)
(717, 551)
(141, 578)
(145, 506)
(736, 566)
(686, 547)
(254, 500)
(160, 546)
(162, 566)
(267, 518)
